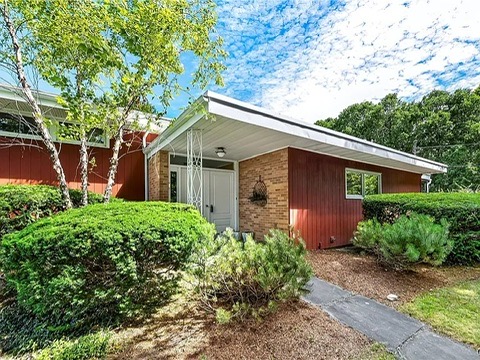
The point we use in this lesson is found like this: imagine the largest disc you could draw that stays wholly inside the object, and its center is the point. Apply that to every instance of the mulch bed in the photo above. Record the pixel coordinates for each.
(362, 274)
(295, 331)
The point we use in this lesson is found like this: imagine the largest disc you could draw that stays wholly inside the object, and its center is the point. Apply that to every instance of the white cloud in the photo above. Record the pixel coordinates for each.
(310, 60)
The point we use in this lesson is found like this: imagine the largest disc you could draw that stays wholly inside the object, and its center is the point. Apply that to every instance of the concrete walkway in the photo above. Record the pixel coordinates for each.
(408, 338)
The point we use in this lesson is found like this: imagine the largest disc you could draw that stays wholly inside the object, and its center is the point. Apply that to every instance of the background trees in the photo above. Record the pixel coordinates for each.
(442, 126)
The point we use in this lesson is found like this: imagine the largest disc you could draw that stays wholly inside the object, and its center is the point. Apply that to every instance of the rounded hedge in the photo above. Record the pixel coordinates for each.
(102, 261)
(21, 205)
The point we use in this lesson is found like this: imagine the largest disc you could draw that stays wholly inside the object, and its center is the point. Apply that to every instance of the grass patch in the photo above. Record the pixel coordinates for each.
(455, 311)
(376, 352)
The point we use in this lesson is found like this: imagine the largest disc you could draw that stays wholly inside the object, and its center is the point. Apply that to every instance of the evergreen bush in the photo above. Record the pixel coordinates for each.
(21, 205)
(409, 240)
(235, 279)
(461, 210)
(101, 262)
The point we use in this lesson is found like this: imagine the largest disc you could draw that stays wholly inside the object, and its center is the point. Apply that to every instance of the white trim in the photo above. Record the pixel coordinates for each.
(236, 169)
(171, 134)
(362, 173)
(205, 158)
(237, 110)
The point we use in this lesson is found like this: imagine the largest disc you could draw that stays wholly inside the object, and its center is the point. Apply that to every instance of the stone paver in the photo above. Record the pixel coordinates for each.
(408, 338)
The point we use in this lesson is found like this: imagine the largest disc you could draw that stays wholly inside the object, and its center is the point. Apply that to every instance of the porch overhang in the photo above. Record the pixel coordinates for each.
(246, 131)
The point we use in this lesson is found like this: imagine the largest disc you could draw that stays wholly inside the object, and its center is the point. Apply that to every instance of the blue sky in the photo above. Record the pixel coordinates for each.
(310, 59)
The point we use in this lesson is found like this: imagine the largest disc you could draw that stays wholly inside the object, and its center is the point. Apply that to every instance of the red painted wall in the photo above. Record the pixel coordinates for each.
(317, 202)
(31, 165)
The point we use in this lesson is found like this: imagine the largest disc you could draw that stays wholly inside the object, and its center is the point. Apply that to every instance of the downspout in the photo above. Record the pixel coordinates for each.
(428, 185)
(145, 157)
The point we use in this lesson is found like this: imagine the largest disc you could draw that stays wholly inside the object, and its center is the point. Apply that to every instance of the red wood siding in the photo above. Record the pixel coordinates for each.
(31, 165)
(318, 206)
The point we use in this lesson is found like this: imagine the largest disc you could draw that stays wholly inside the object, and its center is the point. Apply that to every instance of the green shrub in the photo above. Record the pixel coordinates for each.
(21, 205)
(409, 240)
(461, 210)
(236, 279)
(87, 347)
(101, 262)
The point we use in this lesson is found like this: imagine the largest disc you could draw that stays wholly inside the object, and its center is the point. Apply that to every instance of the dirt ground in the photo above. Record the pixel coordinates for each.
(295, 331)
(361, 274)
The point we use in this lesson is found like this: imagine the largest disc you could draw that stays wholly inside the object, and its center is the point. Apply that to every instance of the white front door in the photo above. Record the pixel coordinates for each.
(219, 198)
(218, 194)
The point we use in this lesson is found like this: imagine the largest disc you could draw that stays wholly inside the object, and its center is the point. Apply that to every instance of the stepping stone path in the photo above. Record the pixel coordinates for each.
(404, 336)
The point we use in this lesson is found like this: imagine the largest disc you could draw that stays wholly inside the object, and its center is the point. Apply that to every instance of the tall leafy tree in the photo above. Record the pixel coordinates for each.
(441, 126)
(111, 57)
(15, 56)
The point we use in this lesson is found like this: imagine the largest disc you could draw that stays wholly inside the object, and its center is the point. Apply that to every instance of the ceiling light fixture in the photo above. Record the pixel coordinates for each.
(220, 151)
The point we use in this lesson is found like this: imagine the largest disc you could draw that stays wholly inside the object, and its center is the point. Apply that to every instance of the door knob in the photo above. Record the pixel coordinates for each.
(211, 208)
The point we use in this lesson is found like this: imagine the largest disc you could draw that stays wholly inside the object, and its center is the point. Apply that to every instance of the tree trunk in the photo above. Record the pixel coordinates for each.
(112, 172)
(84, 168)
(36, 111)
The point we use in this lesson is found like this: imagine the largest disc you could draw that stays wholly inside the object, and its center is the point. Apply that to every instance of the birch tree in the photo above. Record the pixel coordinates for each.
(111, 57)
(14, 61)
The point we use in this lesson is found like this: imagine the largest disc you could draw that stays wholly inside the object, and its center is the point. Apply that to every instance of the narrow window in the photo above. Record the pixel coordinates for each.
(359, 183)
(173, 186)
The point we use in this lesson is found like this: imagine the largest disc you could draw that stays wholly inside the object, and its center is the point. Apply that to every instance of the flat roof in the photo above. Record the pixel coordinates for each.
(229, 123)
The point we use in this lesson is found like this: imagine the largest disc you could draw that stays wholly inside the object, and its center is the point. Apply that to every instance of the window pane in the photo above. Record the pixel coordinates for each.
(173, 186)
(17, 124)
(372, 184)
(96, 136)
(67, 131)
(354, 183)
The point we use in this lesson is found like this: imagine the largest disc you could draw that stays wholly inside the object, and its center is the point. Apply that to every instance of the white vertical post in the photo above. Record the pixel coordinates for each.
(194, 169)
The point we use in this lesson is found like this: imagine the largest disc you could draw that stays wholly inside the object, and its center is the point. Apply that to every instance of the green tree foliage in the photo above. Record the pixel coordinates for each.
(101, 262)
(442, 126)
(109, 58)
(237, 279)
(408, 240)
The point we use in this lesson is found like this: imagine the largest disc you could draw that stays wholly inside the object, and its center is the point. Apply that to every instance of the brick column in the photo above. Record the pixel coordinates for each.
(273, 168)
(158, 177)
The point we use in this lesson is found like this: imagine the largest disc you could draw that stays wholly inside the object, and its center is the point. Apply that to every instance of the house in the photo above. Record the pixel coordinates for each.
(243, 167)
(250, 169)
(23, 159)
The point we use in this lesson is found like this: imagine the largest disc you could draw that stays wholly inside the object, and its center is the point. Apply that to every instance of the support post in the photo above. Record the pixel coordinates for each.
(194, 169)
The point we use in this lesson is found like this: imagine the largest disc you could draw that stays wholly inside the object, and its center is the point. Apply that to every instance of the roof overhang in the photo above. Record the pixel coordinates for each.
(246, 131)
(13, 100)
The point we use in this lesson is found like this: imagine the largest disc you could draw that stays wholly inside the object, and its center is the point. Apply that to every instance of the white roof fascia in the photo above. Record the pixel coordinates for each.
(238, 110)
(178, 127)
(15, 94)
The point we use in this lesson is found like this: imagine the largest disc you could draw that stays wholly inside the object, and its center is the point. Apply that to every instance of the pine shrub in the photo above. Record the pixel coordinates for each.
(101, 262)
(409, 240)
(235, 279)
(461, 210)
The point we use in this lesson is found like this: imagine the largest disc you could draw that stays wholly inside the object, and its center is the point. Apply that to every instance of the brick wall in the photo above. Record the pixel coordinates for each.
(273, 168)
(158, 176)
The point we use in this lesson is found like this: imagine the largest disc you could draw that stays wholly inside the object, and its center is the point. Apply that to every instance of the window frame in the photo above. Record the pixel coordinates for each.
(52, 129)
(17, 135)
(54, 132)
(362, 173)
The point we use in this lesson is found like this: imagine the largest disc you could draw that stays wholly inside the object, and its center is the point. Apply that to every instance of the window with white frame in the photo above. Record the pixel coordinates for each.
(69, 132)
(359, 183)
(17, 125)
(20, 126)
